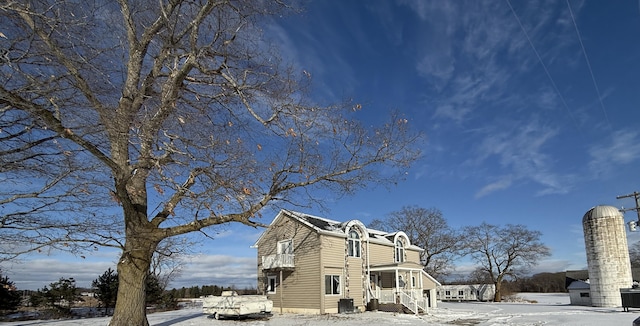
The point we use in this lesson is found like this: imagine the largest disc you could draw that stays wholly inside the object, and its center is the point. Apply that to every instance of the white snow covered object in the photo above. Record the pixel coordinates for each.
(230, 304)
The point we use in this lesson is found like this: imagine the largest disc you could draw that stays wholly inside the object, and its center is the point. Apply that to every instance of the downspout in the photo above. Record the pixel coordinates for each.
(281, 290)
(321, 277)
(368, 274)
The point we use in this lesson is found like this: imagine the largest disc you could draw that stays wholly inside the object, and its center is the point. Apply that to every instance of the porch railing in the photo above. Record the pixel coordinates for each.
(411, 299)
(387, 296)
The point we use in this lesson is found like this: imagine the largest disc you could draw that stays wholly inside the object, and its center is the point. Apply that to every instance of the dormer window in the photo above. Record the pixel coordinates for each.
(353, 249)
(399, 251)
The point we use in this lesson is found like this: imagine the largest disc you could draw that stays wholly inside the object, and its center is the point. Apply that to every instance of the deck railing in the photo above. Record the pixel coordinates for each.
(278, 261)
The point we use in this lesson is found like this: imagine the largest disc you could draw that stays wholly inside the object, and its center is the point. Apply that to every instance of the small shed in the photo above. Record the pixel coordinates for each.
(579, 293)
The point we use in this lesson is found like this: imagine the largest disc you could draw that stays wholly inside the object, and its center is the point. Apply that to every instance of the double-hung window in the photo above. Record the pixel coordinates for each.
(285, 247)
(399, 251)
(353, 249)
(332, 284)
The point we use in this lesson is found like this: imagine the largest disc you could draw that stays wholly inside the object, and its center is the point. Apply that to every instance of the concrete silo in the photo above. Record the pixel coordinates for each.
(605, 240)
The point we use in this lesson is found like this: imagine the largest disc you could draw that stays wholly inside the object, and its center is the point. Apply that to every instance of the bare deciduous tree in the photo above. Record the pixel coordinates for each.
(634, 254)
(503, 251)
(426, 228)
(169, 259)
(124, 123)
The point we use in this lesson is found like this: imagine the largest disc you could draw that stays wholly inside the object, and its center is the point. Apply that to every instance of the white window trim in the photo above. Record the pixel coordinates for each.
(399, 249)
(353, 245)
(275, 284)
(282, 245)
(339, 285)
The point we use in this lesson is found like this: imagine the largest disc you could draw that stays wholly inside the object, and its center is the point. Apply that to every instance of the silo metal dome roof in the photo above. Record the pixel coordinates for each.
(600, 212)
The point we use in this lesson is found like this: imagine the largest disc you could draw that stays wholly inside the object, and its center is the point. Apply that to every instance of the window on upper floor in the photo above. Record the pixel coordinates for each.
(285, 247)
(353, 249)
(399, 251)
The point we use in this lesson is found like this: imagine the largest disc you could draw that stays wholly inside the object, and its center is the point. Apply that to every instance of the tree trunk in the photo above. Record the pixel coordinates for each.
(497, 297)
(133, 270)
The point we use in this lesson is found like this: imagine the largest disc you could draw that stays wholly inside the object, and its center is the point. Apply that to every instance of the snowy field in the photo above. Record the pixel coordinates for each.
(550, 309)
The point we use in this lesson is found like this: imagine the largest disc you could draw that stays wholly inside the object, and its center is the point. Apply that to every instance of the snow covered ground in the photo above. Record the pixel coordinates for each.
(550, 309)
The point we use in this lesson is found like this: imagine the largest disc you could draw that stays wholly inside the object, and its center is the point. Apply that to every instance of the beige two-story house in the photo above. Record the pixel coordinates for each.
(309, 264)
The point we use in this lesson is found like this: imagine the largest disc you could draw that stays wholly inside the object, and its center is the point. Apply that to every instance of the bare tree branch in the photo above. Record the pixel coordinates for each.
(500, 251)
(130, 123)
(428, 229)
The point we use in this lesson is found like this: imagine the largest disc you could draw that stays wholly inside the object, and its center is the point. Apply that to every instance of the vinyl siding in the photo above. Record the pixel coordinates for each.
(298, 285)
(428, 283)
(333, 255)
(412, 255)
(302, 289)
(356, 281)
(380, 254)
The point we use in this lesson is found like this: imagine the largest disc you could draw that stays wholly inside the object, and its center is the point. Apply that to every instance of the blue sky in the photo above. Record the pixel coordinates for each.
(530, 111)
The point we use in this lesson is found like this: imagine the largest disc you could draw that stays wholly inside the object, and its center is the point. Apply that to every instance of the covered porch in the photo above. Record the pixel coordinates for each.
(402, 283)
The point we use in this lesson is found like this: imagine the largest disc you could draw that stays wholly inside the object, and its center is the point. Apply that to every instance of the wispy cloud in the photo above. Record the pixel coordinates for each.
(198, 270)
(477, 57)
(38, 273)
(502, 183)
(553, 265)
(621, 148)
(319, 52)
(520, 153)
(219, 270)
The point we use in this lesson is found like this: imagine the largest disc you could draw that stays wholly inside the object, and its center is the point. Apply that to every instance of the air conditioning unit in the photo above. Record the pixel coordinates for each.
(345, 305)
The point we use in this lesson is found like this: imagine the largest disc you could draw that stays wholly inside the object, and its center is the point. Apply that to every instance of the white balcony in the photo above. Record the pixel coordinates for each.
(277, 261)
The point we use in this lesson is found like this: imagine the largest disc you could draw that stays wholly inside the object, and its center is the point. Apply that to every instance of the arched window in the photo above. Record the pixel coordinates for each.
(353, 249)
(399, 251)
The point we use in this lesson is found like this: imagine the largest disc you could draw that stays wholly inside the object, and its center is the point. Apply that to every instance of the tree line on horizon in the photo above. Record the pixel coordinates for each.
(544, 282)
(57, 299)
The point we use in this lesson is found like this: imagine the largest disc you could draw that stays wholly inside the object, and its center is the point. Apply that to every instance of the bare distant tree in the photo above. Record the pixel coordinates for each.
(124, 123)
(634, 254)
(426, 228)
(169, 259)
(503, 252)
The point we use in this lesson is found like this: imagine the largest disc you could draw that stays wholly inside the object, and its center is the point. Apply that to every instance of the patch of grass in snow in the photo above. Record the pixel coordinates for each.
(466, 322)
(515, 298)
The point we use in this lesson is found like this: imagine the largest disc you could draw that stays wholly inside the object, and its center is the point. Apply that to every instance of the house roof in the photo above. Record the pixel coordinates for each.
(339, 229)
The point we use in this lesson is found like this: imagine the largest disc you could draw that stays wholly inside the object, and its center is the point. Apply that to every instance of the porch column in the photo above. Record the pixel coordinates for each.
(397, 281)
(397, 294)
(411, 280)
